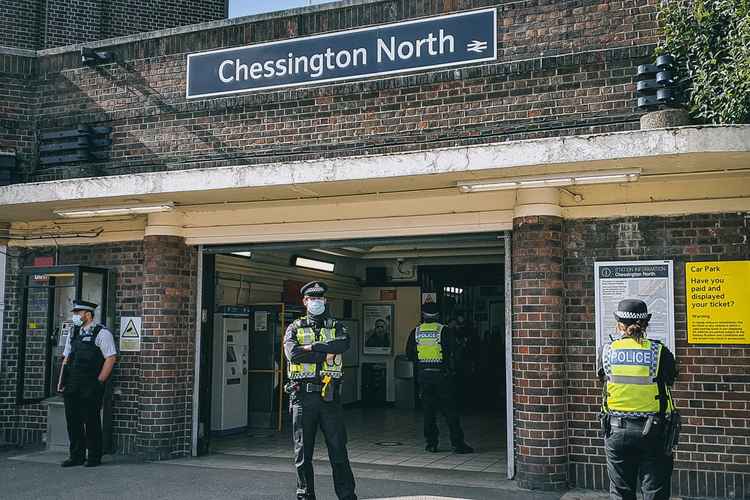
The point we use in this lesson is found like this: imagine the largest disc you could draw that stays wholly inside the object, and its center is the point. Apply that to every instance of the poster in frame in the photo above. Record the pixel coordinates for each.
(377, 324)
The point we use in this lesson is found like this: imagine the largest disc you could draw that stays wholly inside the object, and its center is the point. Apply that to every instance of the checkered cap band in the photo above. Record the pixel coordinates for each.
(631, 315)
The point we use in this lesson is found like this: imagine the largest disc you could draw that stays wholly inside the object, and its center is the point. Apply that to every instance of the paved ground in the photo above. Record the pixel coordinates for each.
(28, 474)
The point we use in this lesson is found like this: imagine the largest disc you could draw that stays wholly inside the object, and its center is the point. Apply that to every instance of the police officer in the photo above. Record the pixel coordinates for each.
(429, 346)
(313, 345)
(638, 411)
(89, 357)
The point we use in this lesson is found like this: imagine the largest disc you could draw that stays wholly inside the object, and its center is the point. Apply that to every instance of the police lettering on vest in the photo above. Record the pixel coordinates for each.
(428, 337)
(631, 386)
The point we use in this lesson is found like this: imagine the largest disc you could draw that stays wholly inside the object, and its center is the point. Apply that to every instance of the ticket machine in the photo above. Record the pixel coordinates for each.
(230, 370)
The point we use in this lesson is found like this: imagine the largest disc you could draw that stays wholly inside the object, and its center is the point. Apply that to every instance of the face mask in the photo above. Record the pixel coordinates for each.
(316, 307)
(77, 320)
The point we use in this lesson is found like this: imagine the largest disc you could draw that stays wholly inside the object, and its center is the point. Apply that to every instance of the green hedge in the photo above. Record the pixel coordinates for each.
(711, 41)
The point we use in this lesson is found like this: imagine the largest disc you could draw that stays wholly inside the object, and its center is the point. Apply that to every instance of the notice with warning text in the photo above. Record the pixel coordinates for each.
(130, 334)
(648, 280)
(718, 305)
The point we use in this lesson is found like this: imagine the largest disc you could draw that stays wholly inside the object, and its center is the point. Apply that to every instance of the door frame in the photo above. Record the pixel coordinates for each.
(204, 316)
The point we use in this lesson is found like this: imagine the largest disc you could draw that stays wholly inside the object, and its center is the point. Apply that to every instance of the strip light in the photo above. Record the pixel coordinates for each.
(572, 179)
(109, 211)
(318, 265)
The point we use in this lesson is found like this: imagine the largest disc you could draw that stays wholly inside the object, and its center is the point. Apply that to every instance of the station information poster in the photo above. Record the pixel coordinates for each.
(651, 281)
(718, 302)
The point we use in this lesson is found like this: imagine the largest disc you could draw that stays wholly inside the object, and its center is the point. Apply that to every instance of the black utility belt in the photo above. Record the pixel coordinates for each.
(308, 387)
(622, 422)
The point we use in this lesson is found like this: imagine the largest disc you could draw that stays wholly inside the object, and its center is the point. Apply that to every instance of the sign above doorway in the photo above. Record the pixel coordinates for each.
(435, 42)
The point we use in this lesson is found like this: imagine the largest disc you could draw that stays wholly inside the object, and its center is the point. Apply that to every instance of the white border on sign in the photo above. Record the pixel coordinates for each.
(600, 333)
(341, 78)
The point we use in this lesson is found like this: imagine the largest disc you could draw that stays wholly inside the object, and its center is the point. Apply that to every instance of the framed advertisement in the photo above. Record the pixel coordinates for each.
(378, 325)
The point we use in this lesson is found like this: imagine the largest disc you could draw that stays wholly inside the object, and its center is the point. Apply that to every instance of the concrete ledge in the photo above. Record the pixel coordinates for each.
(472, 161)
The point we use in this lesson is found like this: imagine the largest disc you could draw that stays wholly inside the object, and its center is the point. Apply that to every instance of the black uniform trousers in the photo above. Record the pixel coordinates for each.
(632, 457)
(309, 412)
(438, 395)
(83, 406)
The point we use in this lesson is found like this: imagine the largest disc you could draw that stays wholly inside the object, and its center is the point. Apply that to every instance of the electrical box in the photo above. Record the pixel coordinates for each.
(229, 390)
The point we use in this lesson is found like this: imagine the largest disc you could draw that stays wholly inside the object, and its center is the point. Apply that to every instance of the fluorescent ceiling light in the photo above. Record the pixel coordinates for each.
(318, 265)
(122, 210)
(567, 179)
(243, 254)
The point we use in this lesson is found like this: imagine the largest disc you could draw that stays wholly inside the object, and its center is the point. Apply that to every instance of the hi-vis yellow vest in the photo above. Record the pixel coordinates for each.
(631, 386)
(429, 347)
(306, 336)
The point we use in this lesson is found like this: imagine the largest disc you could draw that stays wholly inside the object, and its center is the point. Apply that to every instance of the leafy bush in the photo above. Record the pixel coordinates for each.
(710, 40)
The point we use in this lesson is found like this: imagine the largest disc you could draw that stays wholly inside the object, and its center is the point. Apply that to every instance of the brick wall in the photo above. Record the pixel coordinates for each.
(565, 68)
(73, 21)
(168, 348)
(19, 23)
(40, 24)
(713, 388)
(538, 361)
(17, 108)
(77, 21)
(25, 424)
(124, 17)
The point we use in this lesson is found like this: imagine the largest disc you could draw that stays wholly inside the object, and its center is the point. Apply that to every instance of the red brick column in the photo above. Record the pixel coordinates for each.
(538, 361)
(167, 348)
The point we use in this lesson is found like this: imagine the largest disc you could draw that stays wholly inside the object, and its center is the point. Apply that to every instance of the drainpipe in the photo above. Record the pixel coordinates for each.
(3, 265)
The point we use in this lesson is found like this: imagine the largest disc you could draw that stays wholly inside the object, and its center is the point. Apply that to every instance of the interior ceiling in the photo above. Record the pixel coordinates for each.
(461, 245)
(416, 250)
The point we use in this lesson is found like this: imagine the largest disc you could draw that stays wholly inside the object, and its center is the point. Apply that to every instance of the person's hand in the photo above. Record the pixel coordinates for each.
(330, 358)
(60, 387)
(307, 347)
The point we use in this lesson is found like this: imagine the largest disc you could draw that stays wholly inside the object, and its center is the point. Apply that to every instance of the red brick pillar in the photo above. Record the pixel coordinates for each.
(167, 347)
(538, 361)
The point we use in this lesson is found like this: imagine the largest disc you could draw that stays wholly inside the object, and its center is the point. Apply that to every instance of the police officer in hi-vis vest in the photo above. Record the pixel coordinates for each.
(429, 347)
(89, 357)
(639, 420)
(313, 345)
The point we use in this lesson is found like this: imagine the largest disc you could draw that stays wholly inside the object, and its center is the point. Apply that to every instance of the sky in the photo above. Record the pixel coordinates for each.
(239, 8)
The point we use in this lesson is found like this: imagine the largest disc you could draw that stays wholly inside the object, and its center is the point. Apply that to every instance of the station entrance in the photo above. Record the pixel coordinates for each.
(250, 294)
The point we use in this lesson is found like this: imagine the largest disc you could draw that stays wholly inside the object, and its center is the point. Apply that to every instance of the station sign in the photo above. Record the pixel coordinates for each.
(435, 42)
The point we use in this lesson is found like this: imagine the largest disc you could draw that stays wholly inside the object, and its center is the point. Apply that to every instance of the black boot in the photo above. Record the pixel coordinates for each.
(463, 449)
(432, 448)
(71, 462)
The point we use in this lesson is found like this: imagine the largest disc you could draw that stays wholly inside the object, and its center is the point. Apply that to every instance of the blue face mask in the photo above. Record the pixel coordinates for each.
(316, 307)
(77, 320)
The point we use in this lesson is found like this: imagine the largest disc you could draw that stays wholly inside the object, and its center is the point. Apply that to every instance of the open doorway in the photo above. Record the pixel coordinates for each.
(377, 287)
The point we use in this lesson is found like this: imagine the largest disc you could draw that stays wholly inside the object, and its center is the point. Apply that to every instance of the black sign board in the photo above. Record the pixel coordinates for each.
(436, 42)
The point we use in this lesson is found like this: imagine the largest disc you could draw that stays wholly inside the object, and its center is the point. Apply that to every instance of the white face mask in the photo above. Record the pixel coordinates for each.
(77, 320)
(316, 307)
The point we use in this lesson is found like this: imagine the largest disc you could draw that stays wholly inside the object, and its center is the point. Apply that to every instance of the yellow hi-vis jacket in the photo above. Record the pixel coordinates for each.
(306, 336)
(632, 387)
(428, 338)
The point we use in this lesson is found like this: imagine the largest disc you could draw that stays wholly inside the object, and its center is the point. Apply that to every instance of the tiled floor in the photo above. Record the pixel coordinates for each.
(389, 437)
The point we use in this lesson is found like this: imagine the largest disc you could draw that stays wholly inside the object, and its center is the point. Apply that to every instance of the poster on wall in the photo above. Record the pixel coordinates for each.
(718, 302)
(378, 325)
(651, 281)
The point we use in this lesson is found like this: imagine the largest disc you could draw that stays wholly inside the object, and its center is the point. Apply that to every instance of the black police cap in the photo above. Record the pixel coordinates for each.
(631, 310)
(430, 309)
(314, 289)
(82, 305)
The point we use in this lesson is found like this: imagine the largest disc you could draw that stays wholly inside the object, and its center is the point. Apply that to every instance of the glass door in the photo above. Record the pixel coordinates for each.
(48, 295)
(266, 362)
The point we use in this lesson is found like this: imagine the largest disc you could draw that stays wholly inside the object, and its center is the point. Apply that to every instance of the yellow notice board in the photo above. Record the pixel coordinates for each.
(718, 302)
